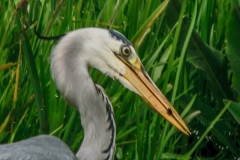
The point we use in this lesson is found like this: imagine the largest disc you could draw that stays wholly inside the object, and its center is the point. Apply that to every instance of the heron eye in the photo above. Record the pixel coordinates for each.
(126, 51)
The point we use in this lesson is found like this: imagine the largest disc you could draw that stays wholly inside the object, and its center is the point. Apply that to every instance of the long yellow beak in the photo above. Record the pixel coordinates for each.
(137, 76)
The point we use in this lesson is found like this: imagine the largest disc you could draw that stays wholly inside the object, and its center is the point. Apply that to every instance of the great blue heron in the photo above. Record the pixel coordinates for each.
(111, 53)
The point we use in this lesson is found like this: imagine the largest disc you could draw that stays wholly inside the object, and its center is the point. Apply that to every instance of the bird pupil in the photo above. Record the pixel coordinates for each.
(126, 51)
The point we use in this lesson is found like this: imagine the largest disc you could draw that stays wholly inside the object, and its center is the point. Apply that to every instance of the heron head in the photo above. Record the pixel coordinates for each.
(113, 54)
(122, 62)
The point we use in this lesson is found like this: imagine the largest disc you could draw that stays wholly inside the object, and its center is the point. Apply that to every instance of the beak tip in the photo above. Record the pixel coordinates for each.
(187, 132)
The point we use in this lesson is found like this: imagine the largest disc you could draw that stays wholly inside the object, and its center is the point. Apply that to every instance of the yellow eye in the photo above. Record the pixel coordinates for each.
(126, 51)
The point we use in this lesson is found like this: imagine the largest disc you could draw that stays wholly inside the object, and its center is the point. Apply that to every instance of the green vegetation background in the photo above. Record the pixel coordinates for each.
(191, 49)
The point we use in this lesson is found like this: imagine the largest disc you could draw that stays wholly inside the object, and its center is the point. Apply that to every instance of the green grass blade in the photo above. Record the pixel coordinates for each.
(27, 51)
(188, 155)
(184, 49)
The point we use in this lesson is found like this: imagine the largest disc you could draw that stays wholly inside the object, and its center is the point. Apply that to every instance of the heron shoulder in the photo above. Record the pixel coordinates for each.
(43, 147)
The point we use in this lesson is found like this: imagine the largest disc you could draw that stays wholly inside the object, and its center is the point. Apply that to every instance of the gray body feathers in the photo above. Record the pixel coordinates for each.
(42, 147)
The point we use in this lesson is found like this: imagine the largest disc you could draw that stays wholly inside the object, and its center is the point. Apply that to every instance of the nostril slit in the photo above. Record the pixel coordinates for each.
(169, 111)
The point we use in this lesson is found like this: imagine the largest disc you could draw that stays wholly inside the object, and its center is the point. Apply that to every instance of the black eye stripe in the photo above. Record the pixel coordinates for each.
(119, 37)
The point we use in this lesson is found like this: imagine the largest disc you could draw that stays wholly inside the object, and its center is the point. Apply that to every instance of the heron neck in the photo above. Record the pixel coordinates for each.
(70, 73)
(96, 119)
